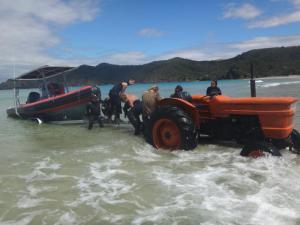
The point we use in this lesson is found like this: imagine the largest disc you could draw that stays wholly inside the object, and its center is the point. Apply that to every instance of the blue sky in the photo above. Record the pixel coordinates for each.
(74, 32)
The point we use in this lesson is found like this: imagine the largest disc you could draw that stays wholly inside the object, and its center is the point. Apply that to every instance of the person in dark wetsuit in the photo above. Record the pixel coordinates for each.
(114, 95)
(213, 89)
(93, 108)
(133, 108)
(179, 93)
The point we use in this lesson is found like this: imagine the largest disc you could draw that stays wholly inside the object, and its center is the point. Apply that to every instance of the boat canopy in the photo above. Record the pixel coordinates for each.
(44, 72)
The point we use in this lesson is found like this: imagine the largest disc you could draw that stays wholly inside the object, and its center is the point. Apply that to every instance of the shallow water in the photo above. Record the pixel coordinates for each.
(53, 174)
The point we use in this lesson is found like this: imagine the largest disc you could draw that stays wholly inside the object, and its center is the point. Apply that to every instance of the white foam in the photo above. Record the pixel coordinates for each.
(29, 202)
(253, 188)
(257, 81)
(270, 85)
(103, 184)
(34, 191)
(23, 219)
(94, 149)
(145, 153)
(275, 84)
(38, 175)
(47, 164)
(44, 170)
(32, 199)
(68, 218)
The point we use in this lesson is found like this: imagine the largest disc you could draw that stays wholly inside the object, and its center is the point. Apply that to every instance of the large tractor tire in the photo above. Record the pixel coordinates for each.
(295, 141)
(171, 128)
(259, 149)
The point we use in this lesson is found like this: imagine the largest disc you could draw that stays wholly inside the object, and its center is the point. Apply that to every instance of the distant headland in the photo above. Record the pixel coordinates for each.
(281, 61)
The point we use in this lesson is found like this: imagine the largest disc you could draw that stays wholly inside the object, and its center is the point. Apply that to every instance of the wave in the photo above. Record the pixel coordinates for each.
(275, 84)
(43, 170)
(254, 188)
(141, 185)
(256, 81)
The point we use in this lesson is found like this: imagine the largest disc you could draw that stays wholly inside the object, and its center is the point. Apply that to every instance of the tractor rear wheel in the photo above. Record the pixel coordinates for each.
(259, 149)
(171, 128)
(295, 141)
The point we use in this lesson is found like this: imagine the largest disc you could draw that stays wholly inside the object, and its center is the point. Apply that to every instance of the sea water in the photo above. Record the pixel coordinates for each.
(55, 174)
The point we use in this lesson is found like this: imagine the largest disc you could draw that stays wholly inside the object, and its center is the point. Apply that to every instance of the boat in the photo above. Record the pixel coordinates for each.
(53, 101)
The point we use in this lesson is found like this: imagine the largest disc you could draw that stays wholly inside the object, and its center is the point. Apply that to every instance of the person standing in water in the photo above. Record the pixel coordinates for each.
(114, 95)
(150, 99)
(133, 109)
(213, 89)
(93, 108)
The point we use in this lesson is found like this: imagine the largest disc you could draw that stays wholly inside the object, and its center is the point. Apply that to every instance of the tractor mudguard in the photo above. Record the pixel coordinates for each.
(186, 106)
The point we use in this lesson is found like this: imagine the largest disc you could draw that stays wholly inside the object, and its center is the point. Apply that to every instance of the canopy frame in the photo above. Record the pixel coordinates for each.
(44, 72)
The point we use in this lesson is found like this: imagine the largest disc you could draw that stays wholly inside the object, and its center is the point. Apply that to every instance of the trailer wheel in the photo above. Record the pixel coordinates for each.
(259, 149)
(171, 128)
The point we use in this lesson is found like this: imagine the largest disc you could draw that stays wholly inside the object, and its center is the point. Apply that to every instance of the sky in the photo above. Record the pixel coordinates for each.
(74, 32)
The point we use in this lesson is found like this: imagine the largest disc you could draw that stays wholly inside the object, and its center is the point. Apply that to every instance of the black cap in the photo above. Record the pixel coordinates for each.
(179, 88)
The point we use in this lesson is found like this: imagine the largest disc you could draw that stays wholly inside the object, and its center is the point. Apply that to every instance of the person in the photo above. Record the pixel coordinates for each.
(133, 109)
(55, 89)
(107, 109)
(213, 89)
(150, 99)
(93, 108)
(179, 93)
(114, 95)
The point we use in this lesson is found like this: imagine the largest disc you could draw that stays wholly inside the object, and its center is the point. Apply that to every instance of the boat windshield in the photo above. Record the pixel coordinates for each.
(51, 89)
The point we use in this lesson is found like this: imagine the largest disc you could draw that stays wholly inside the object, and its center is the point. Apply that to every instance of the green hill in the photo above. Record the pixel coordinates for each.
(267, 62)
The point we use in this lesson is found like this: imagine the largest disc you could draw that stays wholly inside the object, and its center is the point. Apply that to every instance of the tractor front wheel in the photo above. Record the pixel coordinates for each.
(171, 128)
(259, 149)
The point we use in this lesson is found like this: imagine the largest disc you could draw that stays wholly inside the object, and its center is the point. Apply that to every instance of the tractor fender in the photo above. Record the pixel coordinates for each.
(186, 106)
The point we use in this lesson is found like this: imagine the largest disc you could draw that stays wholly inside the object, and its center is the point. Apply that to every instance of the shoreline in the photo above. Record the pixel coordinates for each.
(256, 78)
(277, 77)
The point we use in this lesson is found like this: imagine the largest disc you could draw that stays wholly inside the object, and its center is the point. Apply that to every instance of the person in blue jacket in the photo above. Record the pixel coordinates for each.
(213, 89)
(114, 95)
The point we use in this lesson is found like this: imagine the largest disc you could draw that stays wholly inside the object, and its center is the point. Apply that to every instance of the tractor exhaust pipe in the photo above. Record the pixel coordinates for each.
(252, 82)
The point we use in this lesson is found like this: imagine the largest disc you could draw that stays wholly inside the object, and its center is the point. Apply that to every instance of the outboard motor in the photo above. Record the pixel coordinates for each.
(33, 97)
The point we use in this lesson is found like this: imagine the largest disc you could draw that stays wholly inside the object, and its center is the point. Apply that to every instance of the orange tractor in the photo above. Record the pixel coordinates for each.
(261, 124)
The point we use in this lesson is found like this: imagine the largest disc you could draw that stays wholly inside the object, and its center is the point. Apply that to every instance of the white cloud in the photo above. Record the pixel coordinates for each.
(224, 51)
(206, 52)
(150, 32)
(29, 28)
(244, 11)
(56, 11)
(212, 51)
(276, 20)
(134, 57)
(267, 42)
(296, 2)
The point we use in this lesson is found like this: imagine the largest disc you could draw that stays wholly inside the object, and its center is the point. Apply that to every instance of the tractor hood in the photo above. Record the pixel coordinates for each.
(275, 114)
